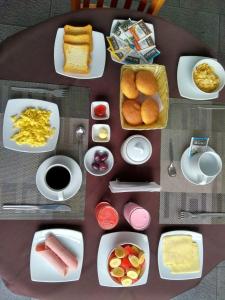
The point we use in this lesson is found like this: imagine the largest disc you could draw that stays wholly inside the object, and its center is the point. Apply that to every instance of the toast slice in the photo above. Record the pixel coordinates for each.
(74, 30)
(76, 58)
(77, 39)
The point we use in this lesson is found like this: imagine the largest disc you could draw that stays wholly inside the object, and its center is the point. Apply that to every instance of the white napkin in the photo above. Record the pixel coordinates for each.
(122, 187)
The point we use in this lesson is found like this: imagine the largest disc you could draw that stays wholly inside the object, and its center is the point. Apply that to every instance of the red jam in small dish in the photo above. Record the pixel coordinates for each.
(100, 111)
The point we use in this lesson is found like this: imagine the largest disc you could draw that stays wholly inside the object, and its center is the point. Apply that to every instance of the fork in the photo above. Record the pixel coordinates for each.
(57, 93)
(188, 214)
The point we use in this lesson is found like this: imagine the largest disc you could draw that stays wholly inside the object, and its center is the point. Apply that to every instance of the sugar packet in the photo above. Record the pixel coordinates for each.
(133, 58)
(198, 145)
(115, 43)
(119, 54)
(150, 54)
(145, 43)
(118, 32)
(124, 26)
(139, 30)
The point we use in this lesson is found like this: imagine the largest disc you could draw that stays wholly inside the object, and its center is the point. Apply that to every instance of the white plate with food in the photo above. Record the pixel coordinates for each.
(192, 260)
(56, 255)
(19, 114)
(108, 243)
(115, 21)
(97, 59)
(186, 86)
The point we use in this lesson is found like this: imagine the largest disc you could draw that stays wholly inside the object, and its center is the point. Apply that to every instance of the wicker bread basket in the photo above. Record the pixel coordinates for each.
(159, 72)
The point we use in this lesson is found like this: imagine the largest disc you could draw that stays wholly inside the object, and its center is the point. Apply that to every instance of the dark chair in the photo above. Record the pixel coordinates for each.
(151, 8)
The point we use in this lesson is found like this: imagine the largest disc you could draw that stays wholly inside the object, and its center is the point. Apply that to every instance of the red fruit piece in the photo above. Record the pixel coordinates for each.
(100, 111)
(128, 250)
(125, 263)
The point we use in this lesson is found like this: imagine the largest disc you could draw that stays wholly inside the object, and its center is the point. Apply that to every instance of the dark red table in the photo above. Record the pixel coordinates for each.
(28, 56)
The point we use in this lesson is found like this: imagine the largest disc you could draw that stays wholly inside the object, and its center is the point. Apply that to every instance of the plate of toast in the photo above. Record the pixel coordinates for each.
(79, 52)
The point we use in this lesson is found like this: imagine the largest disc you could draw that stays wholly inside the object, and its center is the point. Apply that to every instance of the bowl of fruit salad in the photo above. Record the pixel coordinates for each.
(126, 264)
(98, 161)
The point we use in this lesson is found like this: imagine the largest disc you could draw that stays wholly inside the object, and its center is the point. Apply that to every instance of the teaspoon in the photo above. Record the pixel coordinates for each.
(171, 168)
(80, 132)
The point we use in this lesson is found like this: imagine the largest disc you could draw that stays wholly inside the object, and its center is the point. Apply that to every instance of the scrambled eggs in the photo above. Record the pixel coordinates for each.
(33, 126)
(205, 78)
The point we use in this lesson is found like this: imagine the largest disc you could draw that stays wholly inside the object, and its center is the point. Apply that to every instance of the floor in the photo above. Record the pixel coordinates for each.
(205, 19)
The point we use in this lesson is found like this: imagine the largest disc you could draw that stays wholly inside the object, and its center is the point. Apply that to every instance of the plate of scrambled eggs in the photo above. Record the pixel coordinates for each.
(180, 255)
(31, 125)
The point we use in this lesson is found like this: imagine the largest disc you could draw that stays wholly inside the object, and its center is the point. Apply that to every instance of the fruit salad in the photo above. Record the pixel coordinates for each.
(126, 264)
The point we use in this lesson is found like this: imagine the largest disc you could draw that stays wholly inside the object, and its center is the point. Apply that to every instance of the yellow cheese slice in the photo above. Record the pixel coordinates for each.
(181, 254)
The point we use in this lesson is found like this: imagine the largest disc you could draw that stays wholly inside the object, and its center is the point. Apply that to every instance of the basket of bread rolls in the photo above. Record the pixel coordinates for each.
(144, 97)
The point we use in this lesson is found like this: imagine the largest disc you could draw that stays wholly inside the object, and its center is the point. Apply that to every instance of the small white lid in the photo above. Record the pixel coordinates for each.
(139, 149)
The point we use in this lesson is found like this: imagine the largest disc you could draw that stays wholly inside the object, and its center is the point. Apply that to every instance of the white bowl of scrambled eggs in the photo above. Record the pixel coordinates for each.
(208, 76)
(31, 125)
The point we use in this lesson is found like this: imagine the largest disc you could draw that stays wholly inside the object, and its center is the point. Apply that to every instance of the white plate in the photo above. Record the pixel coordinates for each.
(97, 65)
(165, 272)
(188, 172)
(17, 106)
(150, 26)
(95, 131)
(96, 103)
(89, 159)
(108, 242)
(71, 189)
(186, 87)
(41, 270)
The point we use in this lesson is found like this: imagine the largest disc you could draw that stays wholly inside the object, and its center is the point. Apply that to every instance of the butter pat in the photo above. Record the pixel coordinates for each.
(181, 254)
(103, 133)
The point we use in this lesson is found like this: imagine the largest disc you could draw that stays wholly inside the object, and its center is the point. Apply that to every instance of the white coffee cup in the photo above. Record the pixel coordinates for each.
(207, 164)
(60, 192)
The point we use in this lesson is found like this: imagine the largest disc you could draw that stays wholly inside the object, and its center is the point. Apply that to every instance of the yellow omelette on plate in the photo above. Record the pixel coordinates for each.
(181, 254)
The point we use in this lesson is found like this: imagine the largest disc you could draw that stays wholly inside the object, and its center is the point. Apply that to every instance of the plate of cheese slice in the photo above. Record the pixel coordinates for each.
(180, 255)
(79, 52)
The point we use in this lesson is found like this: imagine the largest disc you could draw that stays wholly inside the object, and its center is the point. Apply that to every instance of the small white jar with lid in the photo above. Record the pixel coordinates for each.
(136, 149)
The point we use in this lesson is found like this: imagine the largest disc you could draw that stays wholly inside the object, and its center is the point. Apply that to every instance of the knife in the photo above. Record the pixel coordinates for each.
(39, 207)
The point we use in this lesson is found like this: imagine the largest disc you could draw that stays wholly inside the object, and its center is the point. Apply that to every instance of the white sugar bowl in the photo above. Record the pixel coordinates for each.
(136, 149)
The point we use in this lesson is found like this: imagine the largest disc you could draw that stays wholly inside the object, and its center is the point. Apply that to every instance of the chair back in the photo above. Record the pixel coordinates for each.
(152, 8)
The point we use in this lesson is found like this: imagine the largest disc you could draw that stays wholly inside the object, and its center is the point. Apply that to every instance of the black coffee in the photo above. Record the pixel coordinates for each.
(57, 178)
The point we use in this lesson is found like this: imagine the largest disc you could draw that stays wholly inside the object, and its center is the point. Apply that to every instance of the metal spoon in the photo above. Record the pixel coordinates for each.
(80, 131)
(171, 168)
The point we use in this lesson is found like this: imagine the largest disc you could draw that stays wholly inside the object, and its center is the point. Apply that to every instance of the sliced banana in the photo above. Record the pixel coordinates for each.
(115, 262)
(135, 249)
(126, 281)
(141, 257)
(117, 272)
(132, 273)
(120, 252)
(134, 260)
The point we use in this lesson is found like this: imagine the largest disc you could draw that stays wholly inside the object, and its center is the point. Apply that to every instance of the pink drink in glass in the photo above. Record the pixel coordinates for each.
(138, 217)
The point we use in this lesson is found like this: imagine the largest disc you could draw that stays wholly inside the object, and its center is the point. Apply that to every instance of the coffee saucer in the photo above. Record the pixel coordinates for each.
(75, 182)
(188, 171)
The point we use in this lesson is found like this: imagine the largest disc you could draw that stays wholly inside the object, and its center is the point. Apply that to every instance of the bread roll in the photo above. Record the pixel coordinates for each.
(149, 111)
(128, 86)
(146, 83)
(131, 110)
